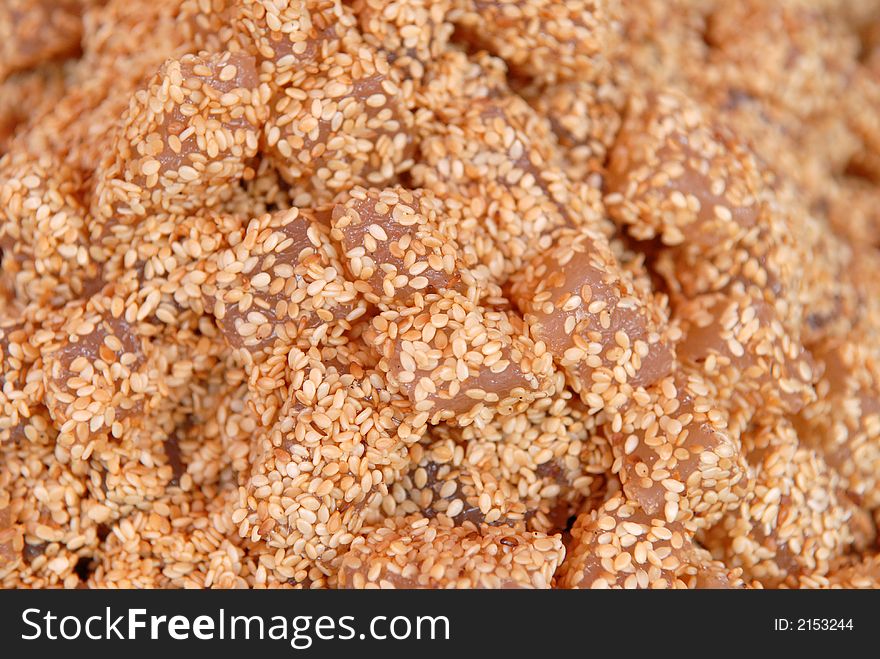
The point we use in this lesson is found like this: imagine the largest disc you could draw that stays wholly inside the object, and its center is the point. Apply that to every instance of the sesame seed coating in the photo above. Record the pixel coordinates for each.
(410, 33)
(585, 116)
(796, 518)
(456, 294)
(344, 124)
(494, 158)
(618, 545)
(844, 422)
(810, 43)
(675, 454)
(422, 553)
(94, 356)
(286, 33)
(540, 38)
(45, 85)
(185, 139)
(43, 231)
(864, 93)
(339, 115)
(11, 542)
(478, 361)
(672, 176)
(536, 468)
(21, 384)
(325, 456)
(863, 574)
(584, 308)
(744, 350)
(399, 244)
(115, 63)
(854, 213)
(280, 279)
(36, 32)
(49, 529)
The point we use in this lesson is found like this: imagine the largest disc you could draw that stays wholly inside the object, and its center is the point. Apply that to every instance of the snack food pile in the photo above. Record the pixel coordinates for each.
(457, 293)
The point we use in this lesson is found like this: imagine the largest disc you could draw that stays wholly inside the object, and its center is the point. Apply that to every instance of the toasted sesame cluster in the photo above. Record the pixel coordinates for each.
(419, 552)
(456, 294)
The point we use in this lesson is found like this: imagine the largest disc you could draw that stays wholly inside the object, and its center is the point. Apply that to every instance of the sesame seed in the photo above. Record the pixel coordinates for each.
(385, 294)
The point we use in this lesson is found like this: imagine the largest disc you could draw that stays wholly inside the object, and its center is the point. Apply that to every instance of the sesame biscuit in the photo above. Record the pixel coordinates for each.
(280, 280)
(534, 469)
(796, 519)
(583, 306)
(456, 360)
(620, 546)
(421, 553)
(43, 231)
(336, 443)
(36, 32)
(185, 141)
(675, 453)
(538, 38)
(399, 246)
(313, 294)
